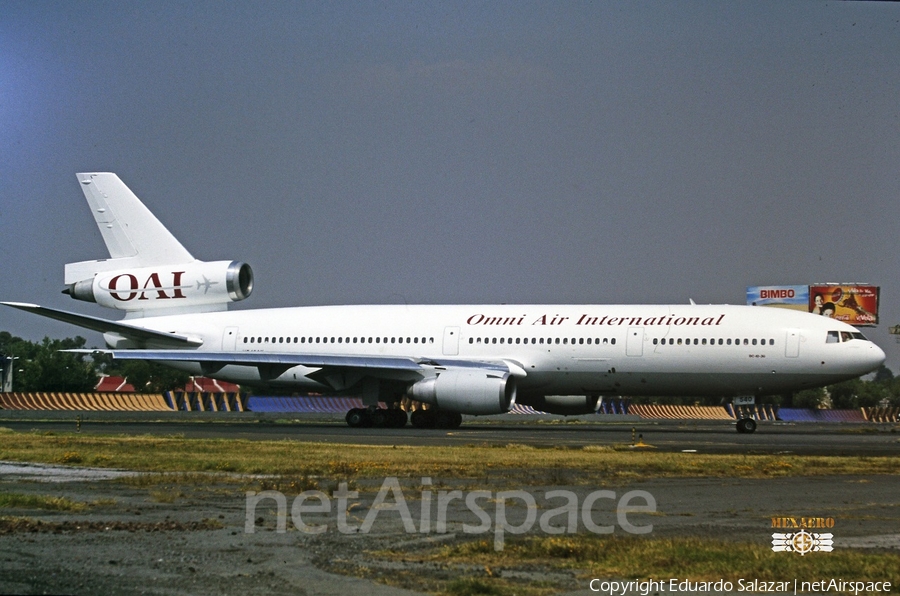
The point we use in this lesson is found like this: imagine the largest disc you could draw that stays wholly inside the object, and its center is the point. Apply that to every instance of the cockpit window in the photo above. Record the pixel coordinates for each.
(835, 337)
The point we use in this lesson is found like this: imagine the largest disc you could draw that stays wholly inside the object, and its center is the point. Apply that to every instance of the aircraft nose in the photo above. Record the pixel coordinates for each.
(875, 356)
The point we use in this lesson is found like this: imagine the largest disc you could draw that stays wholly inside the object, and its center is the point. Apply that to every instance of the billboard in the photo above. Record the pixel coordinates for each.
(851, 303)
(855, 304)
(793, 297)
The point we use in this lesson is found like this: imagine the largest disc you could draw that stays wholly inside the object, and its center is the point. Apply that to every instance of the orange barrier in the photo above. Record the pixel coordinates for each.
(109, 402)
(757, 412)
(680, 412)
(202, 401)
(879, 414)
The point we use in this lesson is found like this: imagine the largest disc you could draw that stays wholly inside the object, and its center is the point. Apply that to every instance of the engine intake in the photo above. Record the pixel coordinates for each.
(475, 392)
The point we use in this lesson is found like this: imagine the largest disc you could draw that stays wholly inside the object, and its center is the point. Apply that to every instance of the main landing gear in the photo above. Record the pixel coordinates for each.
(397, 418)
(435, 419)
(377, 417)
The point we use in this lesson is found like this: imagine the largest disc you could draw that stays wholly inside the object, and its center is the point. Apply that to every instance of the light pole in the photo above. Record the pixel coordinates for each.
(6, 373)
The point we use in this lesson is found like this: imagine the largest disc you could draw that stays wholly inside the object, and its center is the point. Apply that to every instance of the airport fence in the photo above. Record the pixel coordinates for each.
(184, 401)
(108, 402)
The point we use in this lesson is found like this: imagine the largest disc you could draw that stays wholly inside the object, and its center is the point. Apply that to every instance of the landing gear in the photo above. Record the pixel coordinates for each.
(435, 419)
(377, 417)
(396, 417)
(746, 425)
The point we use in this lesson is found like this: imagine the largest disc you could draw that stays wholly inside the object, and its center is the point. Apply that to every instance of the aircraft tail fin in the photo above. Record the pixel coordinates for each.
(148, 271)
(133, 235)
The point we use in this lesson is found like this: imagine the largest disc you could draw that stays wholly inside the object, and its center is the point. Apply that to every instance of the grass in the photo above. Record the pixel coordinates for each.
(300, 459)
(21, 501)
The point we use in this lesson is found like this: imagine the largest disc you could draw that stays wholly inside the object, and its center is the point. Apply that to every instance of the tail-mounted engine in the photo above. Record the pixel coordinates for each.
(466, 391)
(186, 286)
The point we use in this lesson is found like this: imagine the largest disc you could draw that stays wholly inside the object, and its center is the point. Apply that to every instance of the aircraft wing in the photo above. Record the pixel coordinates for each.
(334, 370)
(103, 326)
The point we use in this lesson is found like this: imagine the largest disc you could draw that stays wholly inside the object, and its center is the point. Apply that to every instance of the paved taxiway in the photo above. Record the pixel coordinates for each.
(702, 436)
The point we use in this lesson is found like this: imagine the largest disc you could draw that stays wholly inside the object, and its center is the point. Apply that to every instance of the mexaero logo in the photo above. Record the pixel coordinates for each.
(802, 542)
(126, 287)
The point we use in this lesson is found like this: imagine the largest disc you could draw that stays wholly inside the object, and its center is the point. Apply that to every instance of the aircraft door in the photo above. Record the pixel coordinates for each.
(792, 344)
(229, 339)
(451, 341)
(634, 343)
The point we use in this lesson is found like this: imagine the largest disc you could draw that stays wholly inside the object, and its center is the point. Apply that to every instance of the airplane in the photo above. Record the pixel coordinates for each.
(470, 359)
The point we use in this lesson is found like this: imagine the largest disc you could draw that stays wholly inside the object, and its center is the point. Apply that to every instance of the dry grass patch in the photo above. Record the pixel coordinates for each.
(52, 503)
(300, 459)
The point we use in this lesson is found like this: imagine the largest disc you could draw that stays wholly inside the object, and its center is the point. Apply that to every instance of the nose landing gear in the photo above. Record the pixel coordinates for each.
(746, 425)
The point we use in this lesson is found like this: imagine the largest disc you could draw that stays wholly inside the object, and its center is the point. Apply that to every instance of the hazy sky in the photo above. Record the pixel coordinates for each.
(460, 152)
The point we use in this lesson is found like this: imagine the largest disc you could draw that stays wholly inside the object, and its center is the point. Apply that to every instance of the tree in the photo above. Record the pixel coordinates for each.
(46, 367)
(809, 398)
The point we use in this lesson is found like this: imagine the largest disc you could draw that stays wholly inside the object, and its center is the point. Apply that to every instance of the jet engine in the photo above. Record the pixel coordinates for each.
(190, 285)
(464, 391)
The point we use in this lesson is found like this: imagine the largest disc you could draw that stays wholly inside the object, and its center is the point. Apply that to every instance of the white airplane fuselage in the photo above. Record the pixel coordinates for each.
(661, 350)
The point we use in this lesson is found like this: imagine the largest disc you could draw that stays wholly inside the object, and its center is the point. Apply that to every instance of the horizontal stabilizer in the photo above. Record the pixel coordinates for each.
(125, 330)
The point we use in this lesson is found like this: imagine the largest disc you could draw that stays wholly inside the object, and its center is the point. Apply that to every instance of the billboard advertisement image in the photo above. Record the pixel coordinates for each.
(850, 303)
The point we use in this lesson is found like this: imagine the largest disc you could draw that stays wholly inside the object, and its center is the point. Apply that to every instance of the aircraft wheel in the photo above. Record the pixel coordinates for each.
(380, 418)
(448, 420)
(398, 418)
(358, 418)
(746, 425)
(422, 419)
